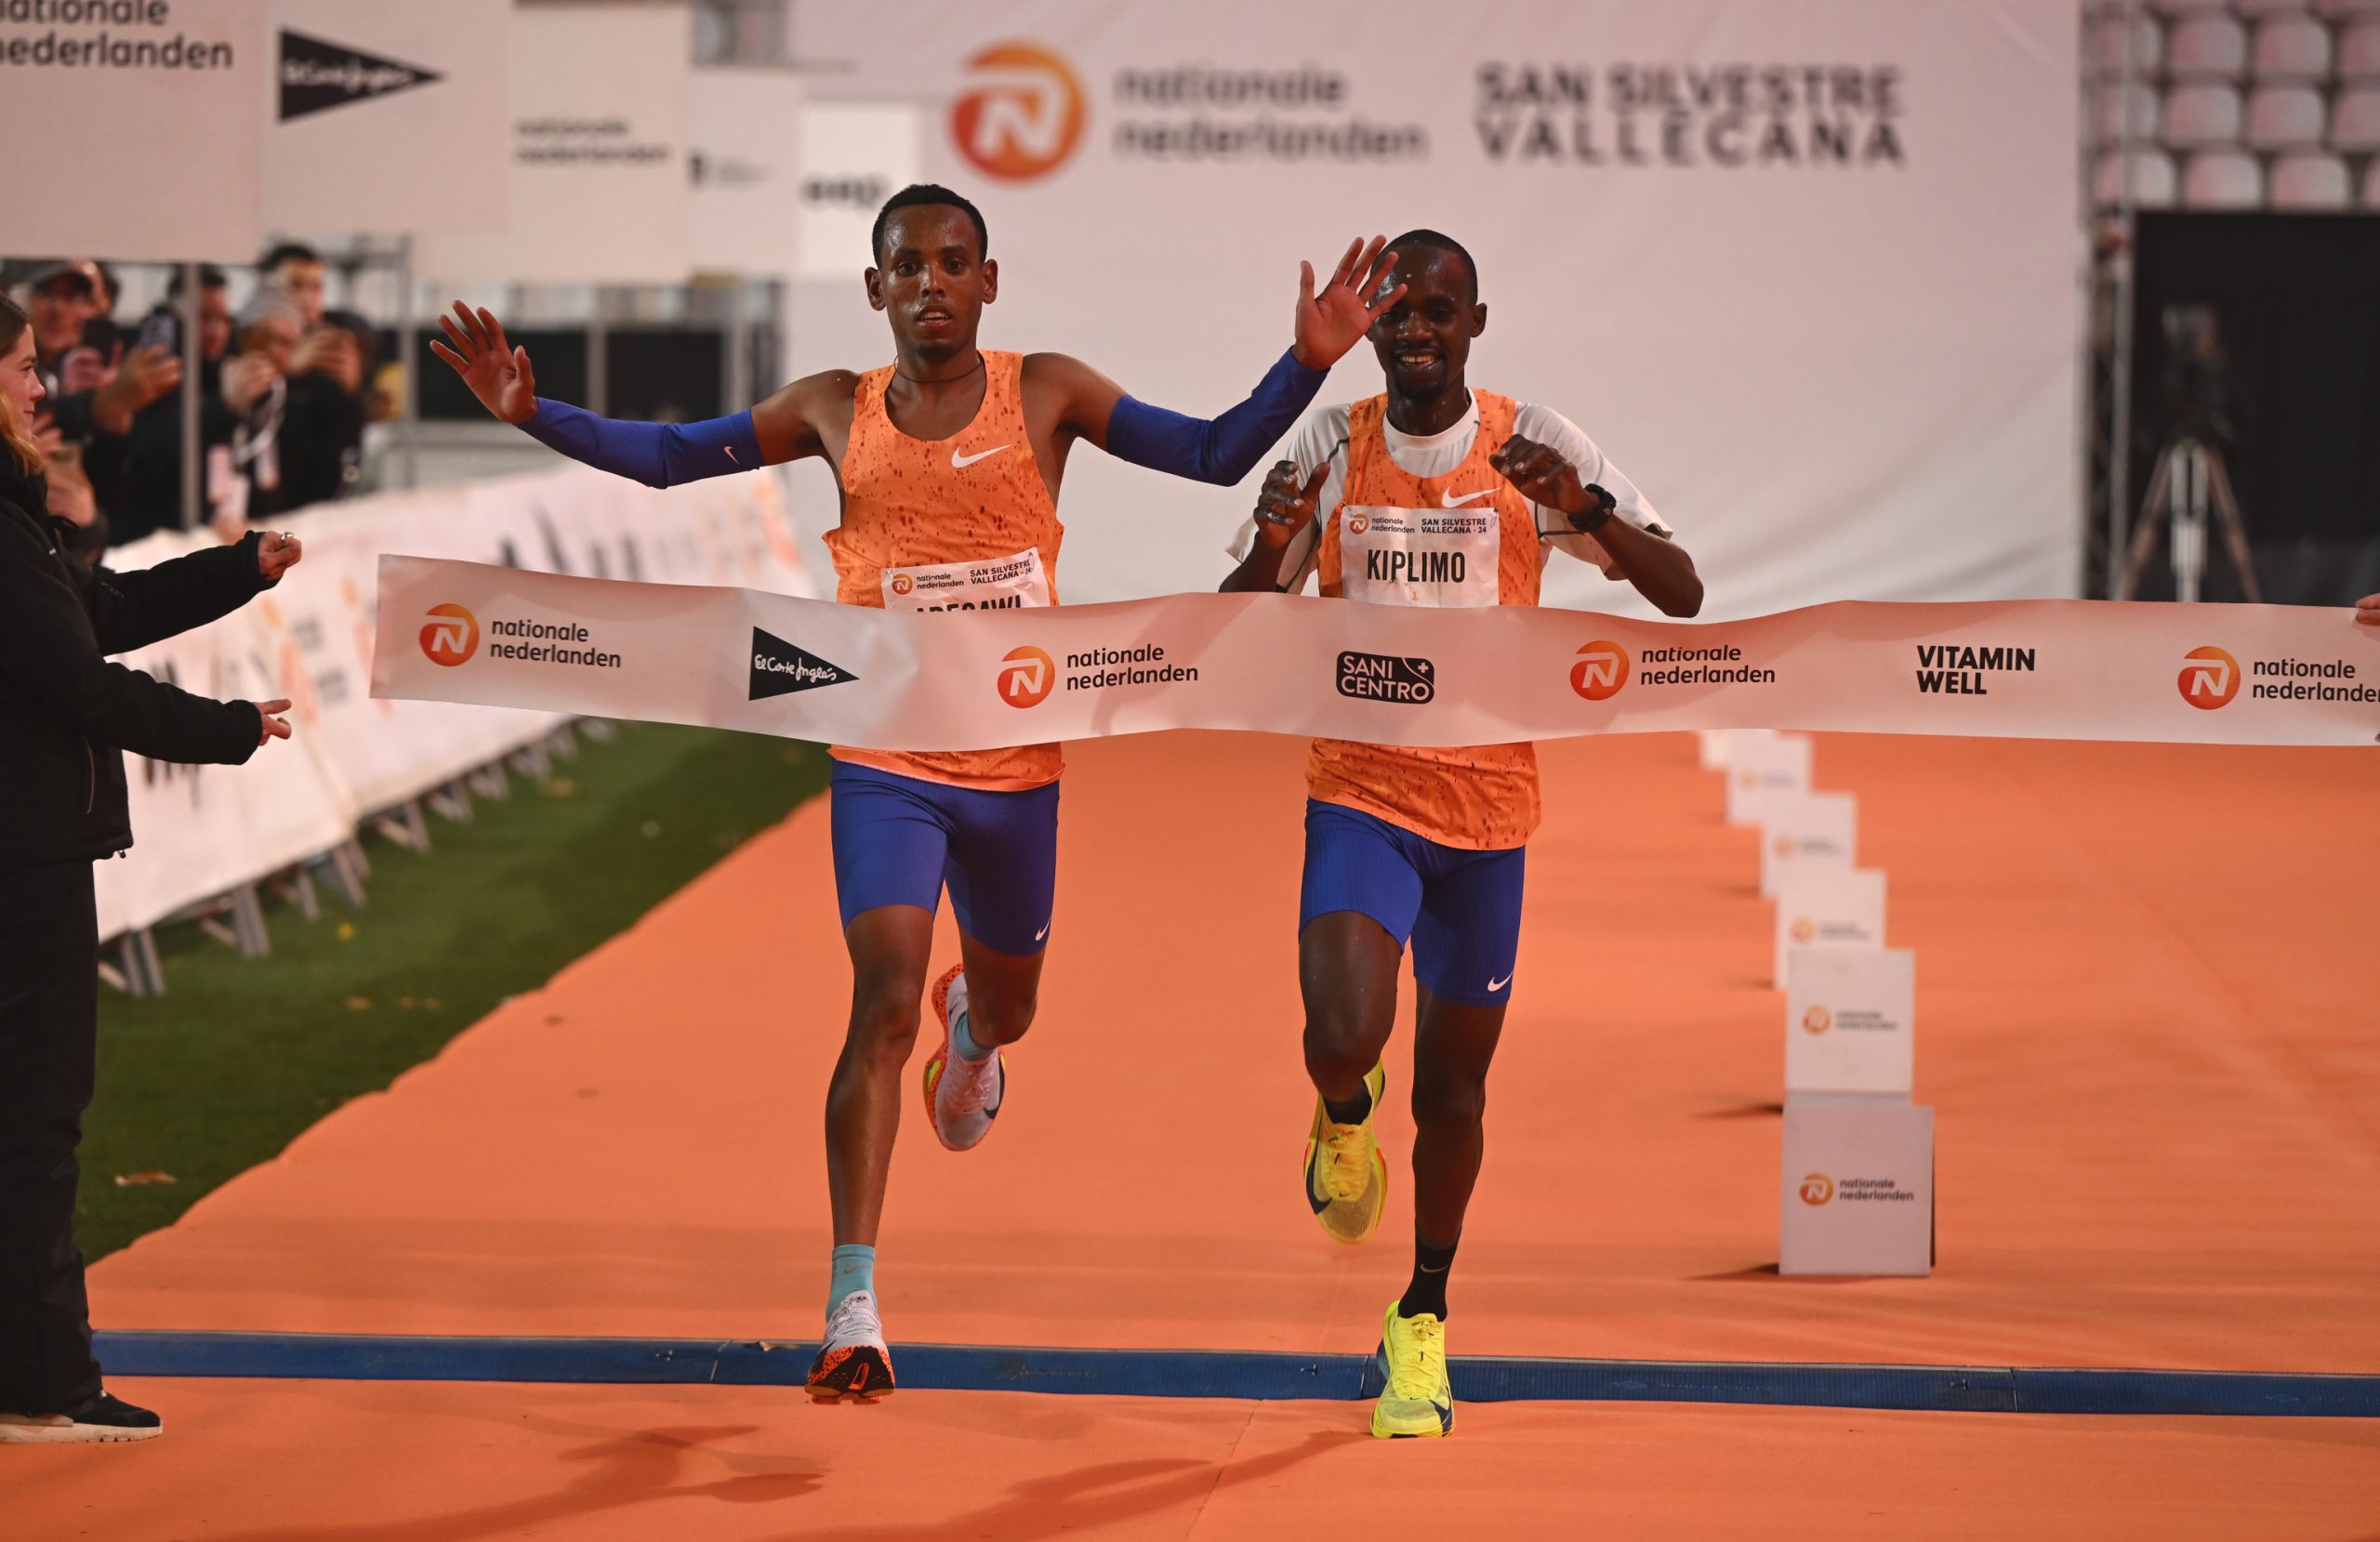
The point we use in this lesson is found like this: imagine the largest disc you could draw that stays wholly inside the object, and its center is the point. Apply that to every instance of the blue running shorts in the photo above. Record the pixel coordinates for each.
(1460, 908)
(899, 840)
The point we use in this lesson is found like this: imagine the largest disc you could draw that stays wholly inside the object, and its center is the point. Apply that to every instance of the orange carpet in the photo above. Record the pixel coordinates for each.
(2147, 1018)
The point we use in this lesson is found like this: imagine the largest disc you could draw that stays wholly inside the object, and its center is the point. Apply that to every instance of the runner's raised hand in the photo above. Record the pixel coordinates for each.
(1334, 321)
(1285, 505)
(497, 373)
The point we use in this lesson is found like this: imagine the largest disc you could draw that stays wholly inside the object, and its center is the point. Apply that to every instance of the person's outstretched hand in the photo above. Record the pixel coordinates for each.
(497, 373)
(275, 725)
(276, 554)
(1334, 321)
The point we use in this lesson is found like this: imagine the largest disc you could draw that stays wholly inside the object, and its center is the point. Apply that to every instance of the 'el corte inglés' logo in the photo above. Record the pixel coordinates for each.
(1817, 1020)
(2209, 678)
(780, 669)
(317, 75)
(1817, 1188)
(1602, 669)
(1021, 114)
(451, 635)
(1028, 675)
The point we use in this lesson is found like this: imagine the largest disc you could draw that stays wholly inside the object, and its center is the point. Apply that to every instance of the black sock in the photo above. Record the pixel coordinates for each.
(1353, 1111)
(1426, 1292)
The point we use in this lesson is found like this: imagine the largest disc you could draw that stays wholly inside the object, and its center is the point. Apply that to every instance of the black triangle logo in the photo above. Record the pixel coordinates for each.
(317, 75)
(779, 668)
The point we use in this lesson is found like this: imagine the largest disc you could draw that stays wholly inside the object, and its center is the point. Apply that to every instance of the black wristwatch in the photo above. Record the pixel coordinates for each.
(1601, 502)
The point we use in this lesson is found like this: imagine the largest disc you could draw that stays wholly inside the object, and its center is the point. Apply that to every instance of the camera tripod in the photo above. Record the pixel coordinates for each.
(2188, 482)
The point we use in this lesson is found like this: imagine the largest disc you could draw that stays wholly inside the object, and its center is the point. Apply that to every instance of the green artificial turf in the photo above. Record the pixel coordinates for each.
(239, 1056)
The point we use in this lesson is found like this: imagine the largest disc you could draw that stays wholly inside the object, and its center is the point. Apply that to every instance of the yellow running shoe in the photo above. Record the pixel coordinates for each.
(1347, 1181)
(1419, 1399)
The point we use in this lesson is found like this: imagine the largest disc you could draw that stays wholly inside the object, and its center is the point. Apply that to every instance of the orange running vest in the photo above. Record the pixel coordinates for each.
(1389, 524)
(949, 525)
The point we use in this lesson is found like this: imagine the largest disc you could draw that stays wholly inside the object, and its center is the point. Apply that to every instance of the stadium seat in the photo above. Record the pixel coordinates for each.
(2154, 183)
(2284, 117)
(2222, 179)
(2109, 108)
(2310, 181)
(2359, 52)
(2197, 116)
(2355, 120)
(2108, 45)
(2296, 47)
(2206, 47)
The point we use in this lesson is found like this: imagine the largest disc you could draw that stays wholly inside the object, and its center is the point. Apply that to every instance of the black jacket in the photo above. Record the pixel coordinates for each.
(66, 713)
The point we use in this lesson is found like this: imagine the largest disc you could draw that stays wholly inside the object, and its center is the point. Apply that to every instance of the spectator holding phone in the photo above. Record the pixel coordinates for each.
(67, 715)
(321, 443)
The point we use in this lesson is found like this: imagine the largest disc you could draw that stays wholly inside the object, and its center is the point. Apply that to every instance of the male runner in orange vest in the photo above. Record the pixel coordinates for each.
(1432, 494)
(947, 462)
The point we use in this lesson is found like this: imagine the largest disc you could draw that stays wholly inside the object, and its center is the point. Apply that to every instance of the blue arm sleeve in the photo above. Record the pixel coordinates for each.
(658, 454)
(1220, 449)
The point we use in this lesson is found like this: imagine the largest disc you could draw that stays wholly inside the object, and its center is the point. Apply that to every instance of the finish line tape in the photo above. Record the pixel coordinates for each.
(1253, 1374)
(1382, 674)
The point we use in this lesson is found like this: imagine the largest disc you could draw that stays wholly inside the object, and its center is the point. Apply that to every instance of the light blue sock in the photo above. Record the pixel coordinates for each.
(963, 1043)
(855, 1265)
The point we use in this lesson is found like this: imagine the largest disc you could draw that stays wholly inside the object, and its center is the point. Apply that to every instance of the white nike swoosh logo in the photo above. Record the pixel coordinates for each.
(1045, 931)
(1447, 500)
(959, 462)
(730, 453)
(1500, 984)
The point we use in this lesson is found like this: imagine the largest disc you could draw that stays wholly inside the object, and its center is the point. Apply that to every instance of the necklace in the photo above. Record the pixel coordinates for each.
(919, 380)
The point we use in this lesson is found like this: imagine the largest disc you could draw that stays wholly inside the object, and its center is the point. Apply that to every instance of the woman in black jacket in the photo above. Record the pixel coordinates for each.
(66, 717)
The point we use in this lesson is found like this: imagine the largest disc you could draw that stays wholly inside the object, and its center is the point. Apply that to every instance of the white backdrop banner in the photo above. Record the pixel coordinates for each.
(747, 133)
(389, 118)
(600, 192)
(151, 110)
(893, 680)
(1806, 270)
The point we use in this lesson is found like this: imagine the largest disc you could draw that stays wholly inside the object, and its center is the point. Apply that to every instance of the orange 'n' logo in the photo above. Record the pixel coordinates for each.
(452, 636)
(1817, 1020)
(1602, 669)
(1803, 930)
(1358, 523)
(902, 583)
(1785, 846)
(1023, 113)
(1817, 1188)
(1026, 676)
(2209, 678)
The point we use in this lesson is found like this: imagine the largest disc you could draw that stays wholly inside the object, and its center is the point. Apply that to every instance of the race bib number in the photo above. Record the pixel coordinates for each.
(995, 584)
(1445, 559)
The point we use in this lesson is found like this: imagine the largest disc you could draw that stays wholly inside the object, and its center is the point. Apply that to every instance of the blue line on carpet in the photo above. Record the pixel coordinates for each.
(1244, 1374)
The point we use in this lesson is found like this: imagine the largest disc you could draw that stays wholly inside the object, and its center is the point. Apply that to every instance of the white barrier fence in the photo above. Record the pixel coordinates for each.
(205, 831)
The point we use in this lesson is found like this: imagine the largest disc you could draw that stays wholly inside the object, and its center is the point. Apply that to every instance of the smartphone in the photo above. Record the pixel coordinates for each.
(161, 329)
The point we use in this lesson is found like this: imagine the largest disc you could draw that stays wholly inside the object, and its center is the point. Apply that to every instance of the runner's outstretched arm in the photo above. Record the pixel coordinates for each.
(1222, 450)
(658, 454)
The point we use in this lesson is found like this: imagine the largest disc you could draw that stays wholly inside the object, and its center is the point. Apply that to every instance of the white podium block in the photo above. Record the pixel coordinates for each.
(1779, 763)
(1830, 907)
(1821, 829)
(1857, 1190)
(1712, 743)
(1850, 1019)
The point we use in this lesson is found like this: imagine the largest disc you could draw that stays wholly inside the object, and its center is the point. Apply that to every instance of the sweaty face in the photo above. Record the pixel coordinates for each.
(934, 284)
(58, 308)
(19, 383)
(302, 281)
(1424, 340)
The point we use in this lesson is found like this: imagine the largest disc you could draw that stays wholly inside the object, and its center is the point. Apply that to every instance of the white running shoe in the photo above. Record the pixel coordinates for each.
(962, 1097)
(853, 1363)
